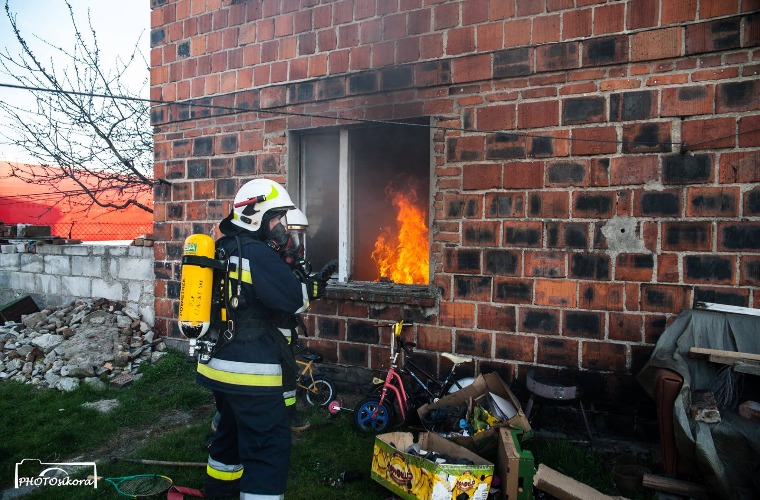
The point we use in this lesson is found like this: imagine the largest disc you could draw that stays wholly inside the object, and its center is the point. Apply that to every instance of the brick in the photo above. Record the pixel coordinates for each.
(609, 19)
(557, 56)
(576, 23)
(523, 175)
(544, 321)
(396, 78)
(475, 288)
(557, 352)
(604, 357)
(750, 270)
(502, 262)
(481, 176)
(529, 7)
(626, 327)
(505, 205)
(634, 170)
(708, 134)
(567, 173)
(471, 68)
(513, 291)
(656, 44)
(434, 339)
(500, 318)
(567, 235)
(738, 236)
(722, 295)
(678, 12)
(558, 293)
(683, 236)
(634, 267)
(654, 325)
(715, 202)
(461, 260)
(505, 146)
(667, 268)
(496, 117)
(461, 41)
(721, 35)
(737, 96)
(687, 100)
(538, 114)
(594, 204)
(664, 298)
(652, 137)
(749, 131)
(546, 29)
(457, 314)
(517, 32)
(590, 266)
(583, 324)
(523, 234)
(546, 264)
(658, 203)
(708, 269)
(432, 73)
(594, 140)
(515, 347)
(511, 63)
(469, 148)
(751, 202)
(463, 206)
(686, 169)
(583, 110)
(642, 14)
(601, 296)
(481, 233)
(473, 343)
(552, 204)
(739, 167)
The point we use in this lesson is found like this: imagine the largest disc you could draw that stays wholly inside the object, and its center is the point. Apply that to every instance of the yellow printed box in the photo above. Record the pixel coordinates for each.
(411, 476)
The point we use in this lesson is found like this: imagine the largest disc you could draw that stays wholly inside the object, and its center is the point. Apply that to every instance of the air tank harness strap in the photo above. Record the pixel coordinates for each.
(197, 260)
(252, 329)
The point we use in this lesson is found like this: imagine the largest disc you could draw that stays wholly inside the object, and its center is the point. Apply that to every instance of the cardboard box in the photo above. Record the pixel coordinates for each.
(411, 476)
(515, 467)
(485, 442)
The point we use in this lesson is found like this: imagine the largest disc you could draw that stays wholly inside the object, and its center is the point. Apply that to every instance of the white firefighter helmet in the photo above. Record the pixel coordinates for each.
(255, 199)
(297, 220)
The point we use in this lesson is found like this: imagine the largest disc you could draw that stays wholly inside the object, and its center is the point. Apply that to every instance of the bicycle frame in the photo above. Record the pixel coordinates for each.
(398, 389)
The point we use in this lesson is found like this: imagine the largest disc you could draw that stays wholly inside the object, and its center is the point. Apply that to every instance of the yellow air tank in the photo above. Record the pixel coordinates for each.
(196, 288)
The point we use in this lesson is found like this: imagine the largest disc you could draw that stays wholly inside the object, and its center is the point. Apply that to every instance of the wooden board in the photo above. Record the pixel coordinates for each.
(701, 352)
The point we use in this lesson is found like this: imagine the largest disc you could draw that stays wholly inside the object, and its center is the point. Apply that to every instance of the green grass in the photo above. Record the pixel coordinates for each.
(53, 427)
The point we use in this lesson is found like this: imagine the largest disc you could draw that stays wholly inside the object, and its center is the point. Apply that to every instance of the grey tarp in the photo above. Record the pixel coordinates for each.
(727, 453)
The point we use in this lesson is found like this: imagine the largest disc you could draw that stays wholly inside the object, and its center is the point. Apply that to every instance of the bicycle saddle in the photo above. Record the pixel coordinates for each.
(310, 356)
(457, 360)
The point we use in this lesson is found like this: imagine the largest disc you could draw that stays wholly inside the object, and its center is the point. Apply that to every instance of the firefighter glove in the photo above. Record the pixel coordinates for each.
(315, 286)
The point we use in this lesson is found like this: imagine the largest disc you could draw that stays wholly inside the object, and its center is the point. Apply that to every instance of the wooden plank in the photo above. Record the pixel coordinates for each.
(710, 306)
(701, 352)
(670, 485)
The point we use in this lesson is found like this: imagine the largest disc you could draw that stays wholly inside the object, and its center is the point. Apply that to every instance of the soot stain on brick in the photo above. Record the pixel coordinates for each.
(691, 93)
(679, 169)
(599, 204)
(703, 267)
(719, 297)
(739, 237)
(528, 237)
(566, 172)
(480, 235)
(536, 320)
(660, 203)
(541, 146)
(513, 290)
(501, 262)
(736, 94)
(583, 324)
(722, 203)
(591, 266)
(468, 260)
(575, 236)
(362, 332)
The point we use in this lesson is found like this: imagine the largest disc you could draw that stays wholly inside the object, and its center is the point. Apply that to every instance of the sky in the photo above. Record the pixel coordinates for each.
(119, 26)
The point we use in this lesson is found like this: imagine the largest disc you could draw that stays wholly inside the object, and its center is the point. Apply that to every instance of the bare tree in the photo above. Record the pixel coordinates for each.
(87, 126)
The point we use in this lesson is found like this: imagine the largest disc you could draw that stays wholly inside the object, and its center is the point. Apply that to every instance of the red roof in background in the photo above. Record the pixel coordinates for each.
(23, 203)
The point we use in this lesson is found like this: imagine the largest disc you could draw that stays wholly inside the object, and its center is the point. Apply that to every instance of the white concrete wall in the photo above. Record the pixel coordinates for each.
(56, 274)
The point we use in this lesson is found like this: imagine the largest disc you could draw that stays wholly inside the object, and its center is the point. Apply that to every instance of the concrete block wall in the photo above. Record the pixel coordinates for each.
(596, 162)
(55, 274)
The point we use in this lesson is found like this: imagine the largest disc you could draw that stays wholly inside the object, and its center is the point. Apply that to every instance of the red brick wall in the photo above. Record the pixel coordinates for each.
(624, 187)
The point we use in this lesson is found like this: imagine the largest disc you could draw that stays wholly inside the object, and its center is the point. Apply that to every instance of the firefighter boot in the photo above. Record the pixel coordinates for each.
(297, 423)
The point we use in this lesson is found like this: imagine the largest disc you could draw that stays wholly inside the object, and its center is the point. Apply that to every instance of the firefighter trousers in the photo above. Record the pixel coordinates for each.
(250, 451)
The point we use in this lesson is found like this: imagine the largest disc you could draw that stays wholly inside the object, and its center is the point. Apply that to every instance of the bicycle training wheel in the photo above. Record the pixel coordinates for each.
(363, 419)
(320, 393)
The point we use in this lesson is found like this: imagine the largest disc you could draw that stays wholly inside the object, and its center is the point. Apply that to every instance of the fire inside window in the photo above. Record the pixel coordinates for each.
(366, 194)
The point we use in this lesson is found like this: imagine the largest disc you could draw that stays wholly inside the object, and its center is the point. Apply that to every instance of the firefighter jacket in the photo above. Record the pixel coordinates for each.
(251, 362)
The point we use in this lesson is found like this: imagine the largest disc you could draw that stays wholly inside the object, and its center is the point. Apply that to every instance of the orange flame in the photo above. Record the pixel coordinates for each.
(403, 257)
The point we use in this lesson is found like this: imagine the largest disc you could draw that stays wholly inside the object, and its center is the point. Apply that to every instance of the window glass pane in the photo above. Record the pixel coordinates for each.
(319, 191)
(390, 169)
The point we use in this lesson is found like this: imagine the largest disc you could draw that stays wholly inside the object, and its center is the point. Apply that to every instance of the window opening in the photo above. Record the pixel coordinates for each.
(366, 194)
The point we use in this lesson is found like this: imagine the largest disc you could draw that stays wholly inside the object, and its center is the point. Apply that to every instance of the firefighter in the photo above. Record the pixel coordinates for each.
(249, 454)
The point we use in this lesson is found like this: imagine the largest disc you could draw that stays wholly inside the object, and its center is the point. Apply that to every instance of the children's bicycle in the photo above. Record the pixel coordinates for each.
(377, 412)
(310, 381)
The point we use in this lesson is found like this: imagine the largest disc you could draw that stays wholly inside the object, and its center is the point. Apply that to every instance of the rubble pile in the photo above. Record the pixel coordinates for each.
(96, 343)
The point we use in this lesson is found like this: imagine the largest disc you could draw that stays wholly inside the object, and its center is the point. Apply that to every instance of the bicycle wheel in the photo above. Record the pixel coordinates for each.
(320, 393)
(462, 382)
(363, 415)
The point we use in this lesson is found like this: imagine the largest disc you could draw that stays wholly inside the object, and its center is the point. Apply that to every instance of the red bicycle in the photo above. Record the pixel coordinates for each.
(377, 412)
